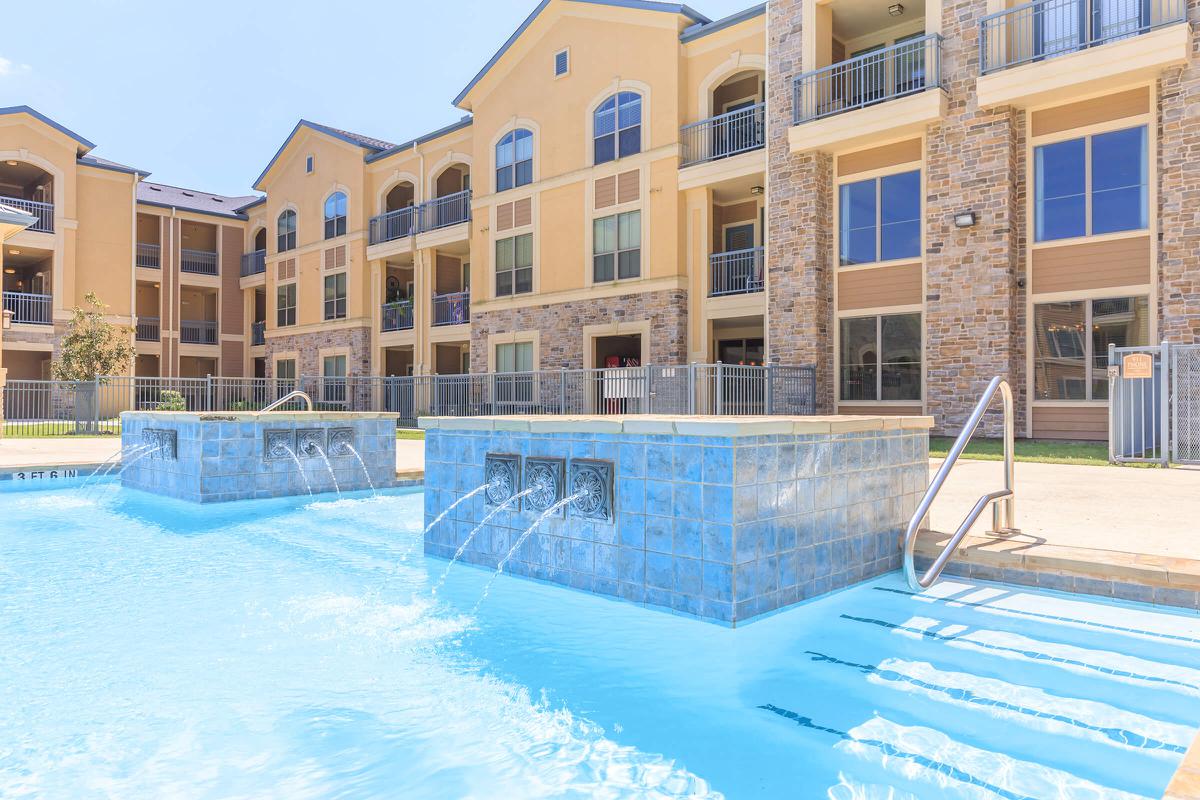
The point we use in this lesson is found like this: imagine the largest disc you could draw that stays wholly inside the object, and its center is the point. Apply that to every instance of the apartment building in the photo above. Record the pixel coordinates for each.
(974, 188)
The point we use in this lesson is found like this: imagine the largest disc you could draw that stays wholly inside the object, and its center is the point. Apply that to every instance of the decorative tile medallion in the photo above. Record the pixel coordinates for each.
(593, 481)
(502, 473)
(341, 442)
(163, 444)
(544, 476)
(278, 445)
(310, 442)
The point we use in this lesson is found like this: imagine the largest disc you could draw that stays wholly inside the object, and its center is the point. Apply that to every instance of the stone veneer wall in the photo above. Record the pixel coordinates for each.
(1179, 196)
(560, 327)
(307, 347)
(725, 527)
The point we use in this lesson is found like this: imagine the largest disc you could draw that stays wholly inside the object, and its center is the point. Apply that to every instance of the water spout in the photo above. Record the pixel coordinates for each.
(363, 464)
(109, 464)
(463, 547)
(299, 467)
(455, 505)
(329, 467)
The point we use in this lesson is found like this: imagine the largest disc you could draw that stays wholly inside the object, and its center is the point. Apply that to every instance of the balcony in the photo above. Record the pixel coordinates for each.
(452, 309)
(44, 212)
(147, 329)
(1075, 42)
(198, 332)
(148, 256)
(258, 333)
(844, 103)
(729, 134)
(397, 316)
(393, 225)
(453, 209)
(254, 263)
(198, 262)
(30, 309)
(736, 272)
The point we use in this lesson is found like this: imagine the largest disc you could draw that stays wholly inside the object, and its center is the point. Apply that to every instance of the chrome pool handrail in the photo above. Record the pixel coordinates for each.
(293, 395)
(1007, 494)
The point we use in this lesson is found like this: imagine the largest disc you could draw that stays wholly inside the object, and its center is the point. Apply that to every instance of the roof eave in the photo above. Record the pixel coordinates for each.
(312, 126)
(84, 144)
(701, 30)
(391, 151)
(231, 215)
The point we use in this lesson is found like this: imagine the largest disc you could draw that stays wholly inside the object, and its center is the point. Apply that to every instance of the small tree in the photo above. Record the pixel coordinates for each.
(93, 347)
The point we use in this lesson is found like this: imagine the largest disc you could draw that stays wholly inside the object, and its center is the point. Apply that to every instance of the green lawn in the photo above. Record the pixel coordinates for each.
(1046, 452)
(409, 433)
(24, 430)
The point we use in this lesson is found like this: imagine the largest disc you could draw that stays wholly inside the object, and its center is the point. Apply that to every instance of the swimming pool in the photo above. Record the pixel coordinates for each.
(293, 648)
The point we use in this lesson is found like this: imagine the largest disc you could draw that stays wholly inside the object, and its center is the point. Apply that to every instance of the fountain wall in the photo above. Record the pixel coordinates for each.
(725, 519)
(208, 458)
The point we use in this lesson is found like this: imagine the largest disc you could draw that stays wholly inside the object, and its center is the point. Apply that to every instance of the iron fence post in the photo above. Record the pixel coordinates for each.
(96, 403)
(648, 398)
(562, 390)
(1164, 401)
(720, 406)
(770, 398)
(691, 388)
(208, 393)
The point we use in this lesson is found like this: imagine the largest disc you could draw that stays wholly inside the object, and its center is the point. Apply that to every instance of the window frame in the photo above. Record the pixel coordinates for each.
(618, 251)
(615, 98)
(285, 241)
(1087, 335)
(514, 268)
(339, 304)
(879, 363)
(287, 360)
(512, 168)
(291, 285)
(335, 224)
(877, 179)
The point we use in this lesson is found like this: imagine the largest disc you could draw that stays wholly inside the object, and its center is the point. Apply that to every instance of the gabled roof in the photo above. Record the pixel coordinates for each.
(396, 148)
(643, 5)
(705, 28)
(84, 144)
(356, 139)
(165, 196)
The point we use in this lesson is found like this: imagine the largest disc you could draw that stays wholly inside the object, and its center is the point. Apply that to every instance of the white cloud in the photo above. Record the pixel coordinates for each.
(9, 69)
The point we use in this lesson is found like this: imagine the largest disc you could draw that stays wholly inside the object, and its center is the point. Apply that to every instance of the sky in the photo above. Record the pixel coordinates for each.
(201, 93)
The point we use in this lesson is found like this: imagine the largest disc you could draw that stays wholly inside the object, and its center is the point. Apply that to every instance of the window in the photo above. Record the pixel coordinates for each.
(881, 358)
(285, 369)
(617, 247)
(514, 357)
(333, 372)
(1071, 344)
(335, 296)
(880, 219)
(285, 229)
(308, 165)
(562, 63)
(514, 265)
(335, 215)
(1091, 185)
(617, 128)
(285, 305)
(514, 160)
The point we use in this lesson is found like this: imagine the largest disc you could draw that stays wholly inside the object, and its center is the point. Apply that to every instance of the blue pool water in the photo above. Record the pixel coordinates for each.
(293, 649)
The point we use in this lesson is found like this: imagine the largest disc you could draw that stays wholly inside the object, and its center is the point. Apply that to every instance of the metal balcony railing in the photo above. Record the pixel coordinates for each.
(43, 211)
(397, 316)
(30, 309)
(258, 333)
(726, 135)
(254, 263)
(198, 332)
(736, 272)
(453, 308)
(148, 256)
(393, 225)
(1048, 28)
(199, 262)
(902, 69)
(147, 329)
(443, 212)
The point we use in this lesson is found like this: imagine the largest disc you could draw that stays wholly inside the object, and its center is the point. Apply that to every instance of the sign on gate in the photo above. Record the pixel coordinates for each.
(1138, 365)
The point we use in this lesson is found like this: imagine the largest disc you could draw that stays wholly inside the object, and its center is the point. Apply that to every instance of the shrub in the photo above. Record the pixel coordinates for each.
(171, 401)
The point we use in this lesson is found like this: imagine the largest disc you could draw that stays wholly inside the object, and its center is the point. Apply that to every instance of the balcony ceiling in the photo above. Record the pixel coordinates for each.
(855, 18)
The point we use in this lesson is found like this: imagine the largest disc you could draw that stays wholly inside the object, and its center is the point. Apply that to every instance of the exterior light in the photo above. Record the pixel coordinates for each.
(11, 163)
(14, 252)
(895, 9)
(7, 319)
(9, 271)
(964, 219)
(756, 190)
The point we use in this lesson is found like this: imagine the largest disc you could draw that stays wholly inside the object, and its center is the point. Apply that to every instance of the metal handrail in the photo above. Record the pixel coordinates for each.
(287, 398)
(1007, 494)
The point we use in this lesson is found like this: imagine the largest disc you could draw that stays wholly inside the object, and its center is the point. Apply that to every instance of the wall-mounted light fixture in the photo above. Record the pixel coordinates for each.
(756, 190)
(895, 9)
(8, 315)
(964, 219)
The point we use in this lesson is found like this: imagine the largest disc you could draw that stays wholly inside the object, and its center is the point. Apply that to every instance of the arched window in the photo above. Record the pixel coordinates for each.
(617, 131)
(285, 229)
(514, 160)
(335, 215)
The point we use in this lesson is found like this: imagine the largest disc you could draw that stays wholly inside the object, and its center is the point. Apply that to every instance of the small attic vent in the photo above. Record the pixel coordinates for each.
(562, 63)
(216, 200)
(154, 188)
(187, 194)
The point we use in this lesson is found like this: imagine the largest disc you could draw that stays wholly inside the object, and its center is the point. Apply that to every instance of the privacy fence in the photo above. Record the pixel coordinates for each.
(57, 408)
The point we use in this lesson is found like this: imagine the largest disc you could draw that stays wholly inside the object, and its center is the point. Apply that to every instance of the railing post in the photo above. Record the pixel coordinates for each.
(1164, 405)
(562, 390)
(720, 406)
(770, 389)
(208, 392)
(96, 403)
(691, 387)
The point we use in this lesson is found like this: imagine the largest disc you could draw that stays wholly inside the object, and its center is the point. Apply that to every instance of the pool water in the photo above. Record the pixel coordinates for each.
(293, 648)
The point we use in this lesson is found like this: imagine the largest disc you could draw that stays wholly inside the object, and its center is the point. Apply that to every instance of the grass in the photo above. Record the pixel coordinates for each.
(1045, 452)
(409, 433)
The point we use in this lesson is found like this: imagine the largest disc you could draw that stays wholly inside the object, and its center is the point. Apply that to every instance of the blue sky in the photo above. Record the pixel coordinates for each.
(201, 94)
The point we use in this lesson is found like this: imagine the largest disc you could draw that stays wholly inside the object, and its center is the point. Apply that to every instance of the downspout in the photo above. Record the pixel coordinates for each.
(133, 316)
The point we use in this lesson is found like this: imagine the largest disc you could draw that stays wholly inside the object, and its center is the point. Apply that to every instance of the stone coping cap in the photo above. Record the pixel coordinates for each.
(257, 416)
(678, 425)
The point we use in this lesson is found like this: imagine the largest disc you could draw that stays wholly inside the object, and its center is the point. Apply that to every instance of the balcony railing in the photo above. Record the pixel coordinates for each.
(147, 329)
(258, 333)
(452, 309)
(200, 262)
(1048, 28)
(30, 309)
(198, 332)
(393, 225)
(397, 316)
(43, 211)
(736, 272)
(148, 256)
(725, 135)
(254, 263)
(876, 77)
(445, 211)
